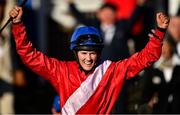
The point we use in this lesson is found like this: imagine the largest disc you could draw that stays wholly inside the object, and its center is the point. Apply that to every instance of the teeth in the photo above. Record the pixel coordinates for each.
(87, 63)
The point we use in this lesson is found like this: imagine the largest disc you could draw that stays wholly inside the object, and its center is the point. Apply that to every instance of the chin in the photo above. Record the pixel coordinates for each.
(88, 68)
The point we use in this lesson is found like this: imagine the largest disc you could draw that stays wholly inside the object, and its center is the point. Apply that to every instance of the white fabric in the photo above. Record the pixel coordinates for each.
(6, 100)
(6, 104)
(176, 60)
(109, 31)
(86, 90)
(168, 71)
(60, 12)
(5, 61)
(173, 7)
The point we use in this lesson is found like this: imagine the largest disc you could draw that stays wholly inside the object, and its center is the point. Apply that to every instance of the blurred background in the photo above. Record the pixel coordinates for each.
(124, 24)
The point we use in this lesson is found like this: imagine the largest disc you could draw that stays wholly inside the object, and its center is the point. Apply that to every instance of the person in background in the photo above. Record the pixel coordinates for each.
(87, 85)
(115, 32)
(167, 81)
(174, 32)
(6, 77)
(30, 88)
(162, 83)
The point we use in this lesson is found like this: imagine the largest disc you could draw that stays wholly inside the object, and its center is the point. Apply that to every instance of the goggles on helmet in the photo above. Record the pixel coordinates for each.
(88, 40)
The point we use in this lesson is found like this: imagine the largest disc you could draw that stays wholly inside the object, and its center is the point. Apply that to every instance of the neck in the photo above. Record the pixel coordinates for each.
(107, 23)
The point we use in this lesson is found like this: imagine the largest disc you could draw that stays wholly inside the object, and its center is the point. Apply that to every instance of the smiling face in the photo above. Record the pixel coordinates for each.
(87, 59)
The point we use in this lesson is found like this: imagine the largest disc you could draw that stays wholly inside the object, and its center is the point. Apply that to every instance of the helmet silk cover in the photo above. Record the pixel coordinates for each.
(86, 36)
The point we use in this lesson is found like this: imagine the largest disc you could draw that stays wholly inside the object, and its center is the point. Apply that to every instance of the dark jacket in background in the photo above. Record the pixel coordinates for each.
(118, 48)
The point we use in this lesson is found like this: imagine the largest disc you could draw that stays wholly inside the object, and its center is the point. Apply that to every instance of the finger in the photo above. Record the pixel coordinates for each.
(159, 14)
(13, 13)
(162, 16)
(167, 21)
(16, 8)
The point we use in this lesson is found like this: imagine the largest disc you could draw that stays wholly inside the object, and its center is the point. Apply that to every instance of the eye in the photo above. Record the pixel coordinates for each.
(94, 53)
(84, 53)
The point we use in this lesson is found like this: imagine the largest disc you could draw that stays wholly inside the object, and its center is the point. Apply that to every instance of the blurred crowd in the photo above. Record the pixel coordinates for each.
(124, 25)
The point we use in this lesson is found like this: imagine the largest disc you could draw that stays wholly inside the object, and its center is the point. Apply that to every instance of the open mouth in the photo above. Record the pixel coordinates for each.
(88, 63)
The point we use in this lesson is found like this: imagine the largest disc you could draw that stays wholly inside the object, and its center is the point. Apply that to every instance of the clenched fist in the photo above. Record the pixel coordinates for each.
(162, 20)
(16, 14)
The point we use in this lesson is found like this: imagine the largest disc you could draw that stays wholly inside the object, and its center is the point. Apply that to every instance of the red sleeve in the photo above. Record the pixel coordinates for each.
(35, 60)
(147, 56)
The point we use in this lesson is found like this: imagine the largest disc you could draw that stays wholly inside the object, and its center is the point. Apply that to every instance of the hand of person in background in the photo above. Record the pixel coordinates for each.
(162, 20)
(19, 78)
(16, 14)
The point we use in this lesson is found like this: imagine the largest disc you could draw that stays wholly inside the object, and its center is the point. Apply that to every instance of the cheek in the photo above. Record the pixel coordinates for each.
(81, 63)
(80, 58)
(94, 57)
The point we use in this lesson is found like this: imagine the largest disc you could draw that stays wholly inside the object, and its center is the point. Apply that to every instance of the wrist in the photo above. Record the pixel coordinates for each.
(161, 29)
(15, 21)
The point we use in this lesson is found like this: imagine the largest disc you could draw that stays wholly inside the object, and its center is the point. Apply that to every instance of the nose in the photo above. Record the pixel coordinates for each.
(88, 57)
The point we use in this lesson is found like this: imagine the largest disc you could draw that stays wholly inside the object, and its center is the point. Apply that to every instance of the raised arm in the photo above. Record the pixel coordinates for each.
(152, 51)
(79, 15)
(32, 58)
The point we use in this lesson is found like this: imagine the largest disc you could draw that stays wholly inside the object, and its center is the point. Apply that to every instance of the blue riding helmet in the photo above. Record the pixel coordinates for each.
(86, 36)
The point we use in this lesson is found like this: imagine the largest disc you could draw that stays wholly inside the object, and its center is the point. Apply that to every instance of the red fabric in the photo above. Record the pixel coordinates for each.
(125, 10)
(125, 7)
(66, 76)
